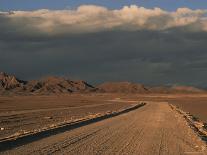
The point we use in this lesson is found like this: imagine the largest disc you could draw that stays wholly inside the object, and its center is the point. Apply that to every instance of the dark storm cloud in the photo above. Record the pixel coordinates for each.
(174, 54)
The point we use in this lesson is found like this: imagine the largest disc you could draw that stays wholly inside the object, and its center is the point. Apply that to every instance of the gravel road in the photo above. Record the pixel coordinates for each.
(153, 129)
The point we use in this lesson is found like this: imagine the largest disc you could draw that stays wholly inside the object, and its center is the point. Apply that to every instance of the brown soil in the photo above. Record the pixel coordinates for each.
(25, 113)
(153, 129)
(196, 104)
(28, 113)
(33, 112)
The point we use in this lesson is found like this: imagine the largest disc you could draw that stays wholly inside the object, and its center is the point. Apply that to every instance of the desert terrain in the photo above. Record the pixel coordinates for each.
(61, 116)
(196, 104)
(152, 129)
(26, 113)
(103, 77)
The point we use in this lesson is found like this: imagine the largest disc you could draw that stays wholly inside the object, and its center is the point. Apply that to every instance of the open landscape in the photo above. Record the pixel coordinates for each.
(152, 129)
(34, 113)
(103, 77)
(116, 117)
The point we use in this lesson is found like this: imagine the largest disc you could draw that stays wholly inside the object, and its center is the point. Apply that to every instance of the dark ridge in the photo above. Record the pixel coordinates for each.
(9, 84)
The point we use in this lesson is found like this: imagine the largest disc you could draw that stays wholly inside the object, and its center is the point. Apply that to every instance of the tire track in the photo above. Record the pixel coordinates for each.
(61, 145)
(154, 129)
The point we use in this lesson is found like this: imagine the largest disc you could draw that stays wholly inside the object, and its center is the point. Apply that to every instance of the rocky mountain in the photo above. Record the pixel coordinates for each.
(56, 85)
(47, 85)
(9, 82)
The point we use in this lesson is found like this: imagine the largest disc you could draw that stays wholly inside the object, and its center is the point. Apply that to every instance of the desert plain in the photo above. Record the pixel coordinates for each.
(57, 115)
(151, 129)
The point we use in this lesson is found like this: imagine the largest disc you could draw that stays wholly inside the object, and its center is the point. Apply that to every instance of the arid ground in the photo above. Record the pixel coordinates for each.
(25, 113)
(196, 104)
(152, 129)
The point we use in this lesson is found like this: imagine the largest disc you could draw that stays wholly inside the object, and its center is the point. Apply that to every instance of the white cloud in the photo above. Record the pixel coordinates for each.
(91, 18)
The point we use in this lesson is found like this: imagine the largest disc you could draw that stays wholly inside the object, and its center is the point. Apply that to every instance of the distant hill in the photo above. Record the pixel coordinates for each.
(9, 84)
(127, 87)
(187, 89)
(175, 89)
(58, 85)
(47, 85)
(122, 87)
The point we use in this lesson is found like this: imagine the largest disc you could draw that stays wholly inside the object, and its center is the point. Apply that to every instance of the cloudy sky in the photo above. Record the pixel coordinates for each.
(151, 42)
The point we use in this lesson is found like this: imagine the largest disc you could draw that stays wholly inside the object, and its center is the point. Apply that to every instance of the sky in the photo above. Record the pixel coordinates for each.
(154, 42)
(6, 5)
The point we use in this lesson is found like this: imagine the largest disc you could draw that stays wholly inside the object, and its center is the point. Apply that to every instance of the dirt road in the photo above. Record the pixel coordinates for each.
(153, 129)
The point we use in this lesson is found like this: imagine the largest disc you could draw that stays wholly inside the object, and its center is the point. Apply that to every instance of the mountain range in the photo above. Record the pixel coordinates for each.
(46, 85)
(9, 84)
